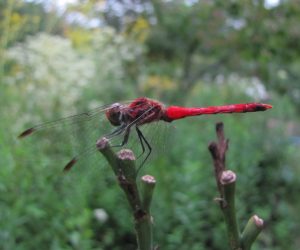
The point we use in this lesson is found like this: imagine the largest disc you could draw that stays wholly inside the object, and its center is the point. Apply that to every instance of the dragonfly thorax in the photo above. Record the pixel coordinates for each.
(115, 115)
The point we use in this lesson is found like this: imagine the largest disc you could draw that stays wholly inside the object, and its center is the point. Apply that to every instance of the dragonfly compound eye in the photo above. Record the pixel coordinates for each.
(114, 114)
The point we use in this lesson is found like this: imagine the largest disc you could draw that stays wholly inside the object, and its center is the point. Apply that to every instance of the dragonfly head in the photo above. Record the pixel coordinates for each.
(114, 114)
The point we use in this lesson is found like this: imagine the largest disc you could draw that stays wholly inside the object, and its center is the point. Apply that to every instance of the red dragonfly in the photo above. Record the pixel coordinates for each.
(137, 113)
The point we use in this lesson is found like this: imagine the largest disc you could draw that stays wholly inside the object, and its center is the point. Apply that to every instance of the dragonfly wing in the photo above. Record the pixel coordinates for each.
(157, 135)
(70, 139)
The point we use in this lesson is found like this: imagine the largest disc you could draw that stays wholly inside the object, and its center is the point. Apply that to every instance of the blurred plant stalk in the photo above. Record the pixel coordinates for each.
(5, 35)
(123, 166)
(226, 180)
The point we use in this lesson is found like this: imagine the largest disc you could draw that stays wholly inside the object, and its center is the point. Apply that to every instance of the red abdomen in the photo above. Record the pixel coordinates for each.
(175, 112)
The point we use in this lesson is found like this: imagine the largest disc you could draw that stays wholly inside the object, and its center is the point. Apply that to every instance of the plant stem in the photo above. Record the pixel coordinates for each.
(148, 184)
(227, 180)
(251, 231)
(145, 224)
(5, 36)
(123, 165)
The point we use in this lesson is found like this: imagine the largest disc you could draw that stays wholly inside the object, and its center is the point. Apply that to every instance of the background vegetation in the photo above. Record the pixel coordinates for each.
(57, 60)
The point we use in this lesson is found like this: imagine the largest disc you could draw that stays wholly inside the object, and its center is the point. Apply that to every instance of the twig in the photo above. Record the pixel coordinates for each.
(251, 231)
(218, 152)
(144, 225)
(123, 166)
(226, 180)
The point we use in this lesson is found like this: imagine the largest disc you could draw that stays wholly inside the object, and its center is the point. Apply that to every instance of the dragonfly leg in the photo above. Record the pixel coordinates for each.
(139, 133)
(142, 138)
(117, 131)
(125, 139)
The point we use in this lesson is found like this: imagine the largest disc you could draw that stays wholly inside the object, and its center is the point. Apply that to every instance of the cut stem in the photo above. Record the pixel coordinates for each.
(148, 184)
(251, 231)
(228, 179)
(123, 166)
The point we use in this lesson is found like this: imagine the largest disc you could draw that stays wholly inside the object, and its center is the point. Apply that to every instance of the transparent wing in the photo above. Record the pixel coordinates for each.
(69, 138)
(70, 120)
(158, 137)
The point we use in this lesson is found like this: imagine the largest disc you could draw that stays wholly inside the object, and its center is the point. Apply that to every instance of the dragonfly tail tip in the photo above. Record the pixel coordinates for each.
(264, 107)
(268, 106)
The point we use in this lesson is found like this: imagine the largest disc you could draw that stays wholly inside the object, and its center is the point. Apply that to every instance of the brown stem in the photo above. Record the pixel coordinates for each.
(218, 153)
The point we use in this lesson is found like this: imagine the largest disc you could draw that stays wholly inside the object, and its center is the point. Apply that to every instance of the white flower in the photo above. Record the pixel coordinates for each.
(100, 214)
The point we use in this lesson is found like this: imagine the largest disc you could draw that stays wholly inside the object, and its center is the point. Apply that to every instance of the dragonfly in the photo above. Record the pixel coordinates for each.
(129, 116)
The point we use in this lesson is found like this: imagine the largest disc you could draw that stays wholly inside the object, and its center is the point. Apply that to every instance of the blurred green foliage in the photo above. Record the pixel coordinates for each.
(196, 54)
